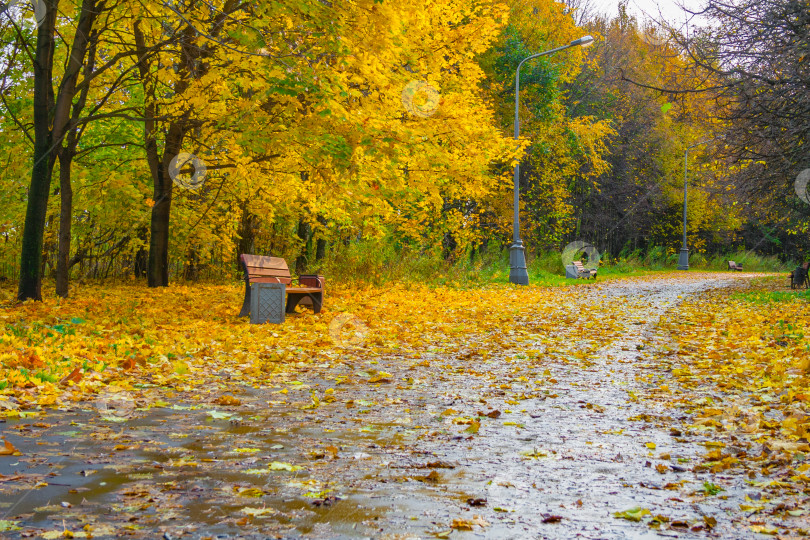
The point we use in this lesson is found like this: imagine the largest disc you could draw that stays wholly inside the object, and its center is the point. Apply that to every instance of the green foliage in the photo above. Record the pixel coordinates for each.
(539, 79)
(769, 297)
(46, 377)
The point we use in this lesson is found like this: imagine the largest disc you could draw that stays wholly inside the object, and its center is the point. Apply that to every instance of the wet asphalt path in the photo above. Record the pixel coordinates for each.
(537, 433)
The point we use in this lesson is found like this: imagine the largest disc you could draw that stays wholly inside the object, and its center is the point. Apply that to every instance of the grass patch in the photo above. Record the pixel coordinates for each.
(46, 377)
(767, 297)
(366, 262)
(383, 263)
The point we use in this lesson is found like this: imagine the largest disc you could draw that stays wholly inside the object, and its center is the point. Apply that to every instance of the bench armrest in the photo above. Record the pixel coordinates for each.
(311, 280)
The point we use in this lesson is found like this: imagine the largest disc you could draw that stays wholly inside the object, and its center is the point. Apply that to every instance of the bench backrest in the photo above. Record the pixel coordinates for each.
(266, 269)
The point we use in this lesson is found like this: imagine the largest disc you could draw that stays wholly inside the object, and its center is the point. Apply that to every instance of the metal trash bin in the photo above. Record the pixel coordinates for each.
(571, 272)
(267, 303)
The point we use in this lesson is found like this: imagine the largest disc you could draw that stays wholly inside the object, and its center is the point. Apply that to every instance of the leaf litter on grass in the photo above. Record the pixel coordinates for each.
(740, 373)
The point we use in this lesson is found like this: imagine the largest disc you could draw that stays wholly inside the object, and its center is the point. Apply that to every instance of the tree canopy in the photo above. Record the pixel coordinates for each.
(153, 140)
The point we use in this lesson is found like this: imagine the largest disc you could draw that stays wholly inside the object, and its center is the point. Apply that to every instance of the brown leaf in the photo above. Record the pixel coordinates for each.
(326, 501)
(494, 414)
(439, 465)
(432, 477)
(74, 376)
(30, 360)
(8, 449)
(552, 519)
(11, 478)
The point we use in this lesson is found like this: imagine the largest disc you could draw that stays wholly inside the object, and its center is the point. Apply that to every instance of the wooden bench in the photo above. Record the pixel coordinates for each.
(734, 266)
(582, 271)
(259, 269)
(799, 277)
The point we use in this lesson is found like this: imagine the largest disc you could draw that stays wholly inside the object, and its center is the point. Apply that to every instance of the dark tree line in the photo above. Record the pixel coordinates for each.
(760, 50)
(751, 63)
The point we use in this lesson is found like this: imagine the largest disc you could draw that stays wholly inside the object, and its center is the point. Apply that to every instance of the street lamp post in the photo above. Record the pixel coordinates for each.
(517, 254)
(683, 257)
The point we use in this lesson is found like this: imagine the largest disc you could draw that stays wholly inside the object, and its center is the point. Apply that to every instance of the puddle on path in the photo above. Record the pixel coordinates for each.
(480, 432)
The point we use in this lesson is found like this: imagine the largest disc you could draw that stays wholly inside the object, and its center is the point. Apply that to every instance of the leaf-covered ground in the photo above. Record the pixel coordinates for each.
(672, 405)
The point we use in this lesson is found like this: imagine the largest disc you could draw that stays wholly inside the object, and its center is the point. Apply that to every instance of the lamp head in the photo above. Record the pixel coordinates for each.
(584, 41)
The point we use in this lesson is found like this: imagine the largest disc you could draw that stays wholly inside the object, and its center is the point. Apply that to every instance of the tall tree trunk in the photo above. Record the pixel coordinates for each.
(246, 233)
(191, 271)
(47, 138)
(141, 263)
(158, 271)
(142, 256)
(449, 246)
(320, 245)
(65, 219)
(158, 274)
(66, 154)
(30, 284)
(302, 259)
(320, 249)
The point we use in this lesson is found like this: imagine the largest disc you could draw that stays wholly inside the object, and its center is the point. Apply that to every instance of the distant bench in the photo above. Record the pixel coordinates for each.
(581, 271)
(734, 266)
(260, 269)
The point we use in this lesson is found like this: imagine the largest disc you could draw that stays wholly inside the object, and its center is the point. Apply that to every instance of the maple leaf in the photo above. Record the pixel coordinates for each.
(74, 376)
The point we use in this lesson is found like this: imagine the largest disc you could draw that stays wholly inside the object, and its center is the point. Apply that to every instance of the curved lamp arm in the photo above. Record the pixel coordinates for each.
(584, 41)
